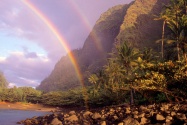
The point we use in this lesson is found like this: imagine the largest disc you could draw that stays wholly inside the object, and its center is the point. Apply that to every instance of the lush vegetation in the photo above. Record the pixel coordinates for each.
(130, 75)
(3, 81)
(21, 94)
(146, 75)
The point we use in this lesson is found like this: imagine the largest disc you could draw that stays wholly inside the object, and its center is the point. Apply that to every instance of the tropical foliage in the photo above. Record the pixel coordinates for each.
(22, 94)
(3, 81)
(130, 75)
(145, 72)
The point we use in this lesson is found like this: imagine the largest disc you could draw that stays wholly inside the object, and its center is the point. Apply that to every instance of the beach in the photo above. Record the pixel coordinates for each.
(26, 106)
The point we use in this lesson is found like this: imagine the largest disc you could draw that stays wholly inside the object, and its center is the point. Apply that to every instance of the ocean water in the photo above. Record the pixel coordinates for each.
(11, 117)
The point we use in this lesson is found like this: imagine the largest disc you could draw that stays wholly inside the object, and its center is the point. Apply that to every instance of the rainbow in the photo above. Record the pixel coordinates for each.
(79, 12)
(56, 33)
(60, 38)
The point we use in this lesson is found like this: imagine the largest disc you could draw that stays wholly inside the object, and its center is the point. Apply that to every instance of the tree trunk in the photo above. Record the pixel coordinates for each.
(163, 30)
(178, 47)
(132, 97)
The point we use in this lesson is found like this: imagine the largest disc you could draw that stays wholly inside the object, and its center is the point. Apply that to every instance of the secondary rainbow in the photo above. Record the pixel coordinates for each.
(79, 12)
(56, 33)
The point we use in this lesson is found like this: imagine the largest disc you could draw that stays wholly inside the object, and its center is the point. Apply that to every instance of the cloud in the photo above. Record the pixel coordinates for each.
(11, 85)
(24, 70)
(18, 20)
(28, 68)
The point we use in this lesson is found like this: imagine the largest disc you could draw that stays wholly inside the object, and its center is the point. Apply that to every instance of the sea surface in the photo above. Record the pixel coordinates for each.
(11, 117)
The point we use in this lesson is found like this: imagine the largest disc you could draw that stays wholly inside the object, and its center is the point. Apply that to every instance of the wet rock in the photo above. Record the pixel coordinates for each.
(173, 113)
(143, 108)
(115, 117)
(121, 123)
(72, 113)
(87, 114)
(151, 106)
(130, 121)
(169, 118)
(72, 118)
(182, 117)
(66, 115)
(176, 107)
(141, 115)
(160, 117)
(135, 112)
(27, 122)
(128, 110)
(56, 121)
(135, 116)
(164, 107)
(157, 114)
(143, 120)
(103, 112)
(118, 109)
(152, 113)
(103, 123)
(96, 116)
(167, 112)
(168, 123)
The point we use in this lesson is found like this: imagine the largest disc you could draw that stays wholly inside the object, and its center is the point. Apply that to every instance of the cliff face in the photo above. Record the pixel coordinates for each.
(100, 40)
(139, 27)
(133, 23)
(93, 54)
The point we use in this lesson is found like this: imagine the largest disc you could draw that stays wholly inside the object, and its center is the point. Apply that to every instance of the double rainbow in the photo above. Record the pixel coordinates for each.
(83, 18)
(56, 33)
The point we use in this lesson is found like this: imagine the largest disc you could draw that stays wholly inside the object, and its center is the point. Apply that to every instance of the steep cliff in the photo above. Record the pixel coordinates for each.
(133, 23)
(92, 56)
(139, 27)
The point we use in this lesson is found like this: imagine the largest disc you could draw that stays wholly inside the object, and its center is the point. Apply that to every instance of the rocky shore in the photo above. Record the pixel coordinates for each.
(155, 114)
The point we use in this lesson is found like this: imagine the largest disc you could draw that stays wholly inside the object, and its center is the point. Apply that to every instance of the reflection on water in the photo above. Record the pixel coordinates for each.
(10, 117)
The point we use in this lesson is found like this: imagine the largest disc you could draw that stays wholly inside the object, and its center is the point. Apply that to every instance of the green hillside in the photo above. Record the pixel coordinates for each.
(132, 22)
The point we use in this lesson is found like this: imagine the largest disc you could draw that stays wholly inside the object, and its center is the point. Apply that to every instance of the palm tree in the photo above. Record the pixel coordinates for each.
(183, 34)
(178, 24)
(174, 12)
(165, 17)
(127, 58)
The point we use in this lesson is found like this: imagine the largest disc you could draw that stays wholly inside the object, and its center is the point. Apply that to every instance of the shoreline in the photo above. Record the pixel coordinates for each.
(26, 106)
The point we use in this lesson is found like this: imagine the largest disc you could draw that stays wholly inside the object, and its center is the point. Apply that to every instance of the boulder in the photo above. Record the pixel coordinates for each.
(56, 121)
(141, 115)
(103, 123)
(143, 108)
(160, 117)
(72, 113)
(72, 118)
(87, 114)
(173, 113)
(130, 121)
(143, 121)
(96, 116)
(121, 123)
(182, 117)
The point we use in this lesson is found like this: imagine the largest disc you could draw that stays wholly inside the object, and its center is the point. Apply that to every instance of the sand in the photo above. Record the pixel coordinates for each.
(25, 106)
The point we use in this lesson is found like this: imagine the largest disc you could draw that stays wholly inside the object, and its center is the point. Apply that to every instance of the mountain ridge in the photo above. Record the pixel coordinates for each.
(114, 26)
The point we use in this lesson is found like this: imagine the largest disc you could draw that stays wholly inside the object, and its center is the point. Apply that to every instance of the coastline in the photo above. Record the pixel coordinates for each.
(26, 106)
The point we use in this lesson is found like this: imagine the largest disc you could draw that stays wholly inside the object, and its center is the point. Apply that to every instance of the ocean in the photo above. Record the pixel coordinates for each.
(11, 117)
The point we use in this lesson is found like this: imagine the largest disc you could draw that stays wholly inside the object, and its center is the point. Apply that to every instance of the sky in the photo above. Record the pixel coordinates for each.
(35, 34)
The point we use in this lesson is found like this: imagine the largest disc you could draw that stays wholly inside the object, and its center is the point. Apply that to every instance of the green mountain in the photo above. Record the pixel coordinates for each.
(132, 22)
(139, 27)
